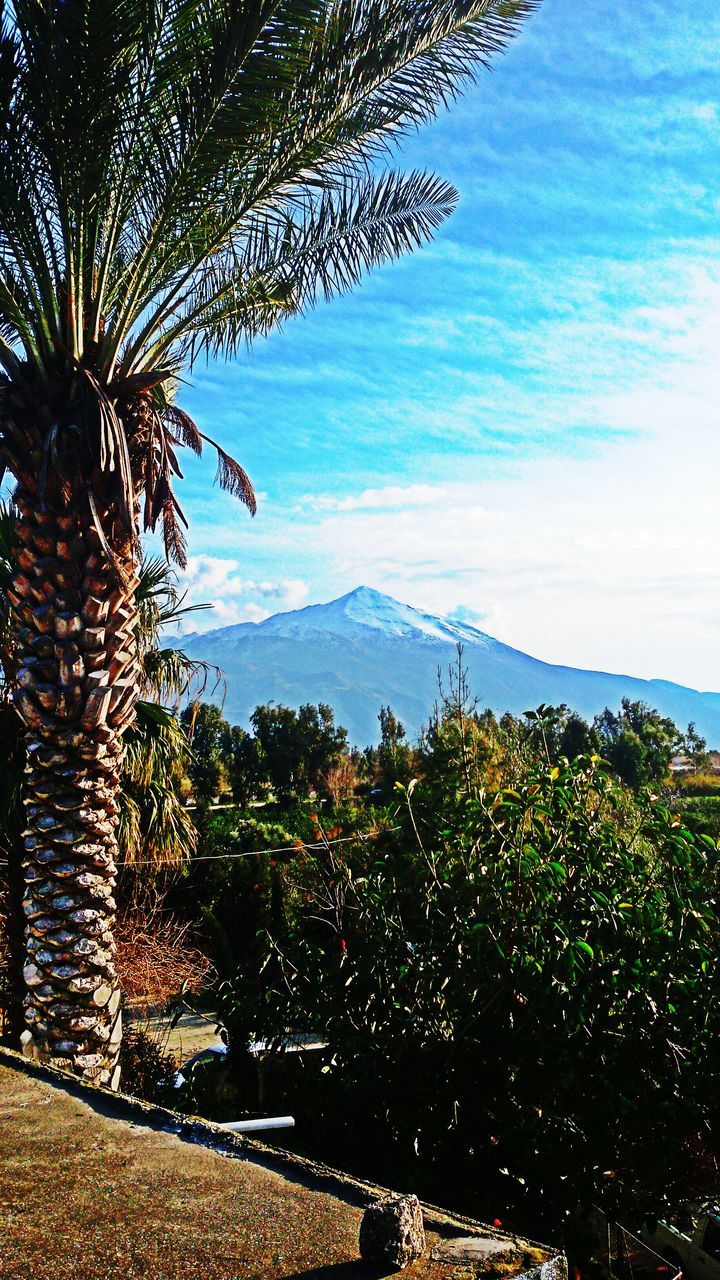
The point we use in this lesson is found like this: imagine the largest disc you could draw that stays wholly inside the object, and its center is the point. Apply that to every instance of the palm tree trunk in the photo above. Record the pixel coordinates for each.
(12, 755)
(76, 691)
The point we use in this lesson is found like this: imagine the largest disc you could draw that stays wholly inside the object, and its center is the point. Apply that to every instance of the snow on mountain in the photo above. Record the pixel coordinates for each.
(361, 608)
(366, 649)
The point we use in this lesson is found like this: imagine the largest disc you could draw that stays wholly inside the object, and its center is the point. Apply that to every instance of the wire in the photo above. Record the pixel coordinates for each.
(252, 853)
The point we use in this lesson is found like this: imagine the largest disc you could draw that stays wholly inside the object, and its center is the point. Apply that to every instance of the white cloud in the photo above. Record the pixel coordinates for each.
(217, 581)
(389, 498)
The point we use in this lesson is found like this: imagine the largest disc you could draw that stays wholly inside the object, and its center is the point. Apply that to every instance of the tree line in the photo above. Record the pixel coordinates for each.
(296, 753)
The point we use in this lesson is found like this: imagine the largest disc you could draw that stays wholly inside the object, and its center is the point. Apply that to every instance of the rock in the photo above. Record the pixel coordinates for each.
(484, 1251)
(392, 1232)
(28, 1047)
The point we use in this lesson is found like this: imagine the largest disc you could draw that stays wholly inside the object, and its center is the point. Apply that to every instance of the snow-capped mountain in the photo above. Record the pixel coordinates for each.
(365, 649)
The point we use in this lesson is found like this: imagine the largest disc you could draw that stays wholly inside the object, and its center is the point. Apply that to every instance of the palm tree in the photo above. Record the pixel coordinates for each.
(176, 177)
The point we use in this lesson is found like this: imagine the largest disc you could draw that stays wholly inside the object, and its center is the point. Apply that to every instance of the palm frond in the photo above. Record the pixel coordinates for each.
(167, 673)
(231, 477)
(179, 176)
(154, 823)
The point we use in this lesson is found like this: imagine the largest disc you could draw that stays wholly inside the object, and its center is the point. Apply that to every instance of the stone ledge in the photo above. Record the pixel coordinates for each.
(314, 1176)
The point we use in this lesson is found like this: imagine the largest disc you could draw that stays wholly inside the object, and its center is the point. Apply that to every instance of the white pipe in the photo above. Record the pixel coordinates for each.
(252, 1126)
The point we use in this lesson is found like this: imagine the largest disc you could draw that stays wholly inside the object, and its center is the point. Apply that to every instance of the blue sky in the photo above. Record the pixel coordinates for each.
(519, 422)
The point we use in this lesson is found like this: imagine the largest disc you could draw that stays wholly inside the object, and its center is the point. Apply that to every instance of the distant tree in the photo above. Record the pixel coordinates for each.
(638, 743)
(275, 730)
(577, 738)
(322, 743)
(367, 764)
(394, 754)
(696, 749)
(207, 731)
(239, 752)
(296, 749)
(461, 745)
(558, 732)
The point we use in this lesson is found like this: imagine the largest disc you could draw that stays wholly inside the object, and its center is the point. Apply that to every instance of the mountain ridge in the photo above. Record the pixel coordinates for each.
(365, 649)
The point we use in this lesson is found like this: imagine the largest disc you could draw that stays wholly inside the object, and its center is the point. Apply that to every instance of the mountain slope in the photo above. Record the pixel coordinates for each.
(366, 649)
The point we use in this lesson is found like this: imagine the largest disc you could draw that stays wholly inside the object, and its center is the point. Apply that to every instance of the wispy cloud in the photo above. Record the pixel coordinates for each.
(390, 498)
(219, 582)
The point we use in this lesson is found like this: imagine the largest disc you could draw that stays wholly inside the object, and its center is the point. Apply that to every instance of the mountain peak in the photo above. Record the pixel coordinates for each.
(363, 595)
(366, 607)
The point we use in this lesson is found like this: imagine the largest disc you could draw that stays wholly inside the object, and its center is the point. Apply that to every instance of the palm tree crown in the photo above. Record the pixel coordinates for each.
(177, 176)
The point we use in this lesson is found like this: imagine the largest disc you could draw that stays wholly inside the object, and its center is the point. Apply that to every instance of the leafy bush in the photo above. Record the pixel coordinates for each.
(703, 813)
(519, 991)
(238, 892)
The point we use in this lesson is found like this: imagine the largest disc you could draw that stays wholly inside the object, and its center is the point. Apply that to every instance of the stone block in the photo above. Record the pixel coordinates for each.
(392, 1232)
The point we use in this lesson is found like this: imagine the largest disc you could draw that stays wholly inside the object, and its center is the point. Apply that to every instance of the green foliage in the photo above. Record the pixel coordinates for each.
(297, 748)
(240, 756)
(238, 896)
(394, 757)
(461, 745)
(154, 824)
(558, 732)
(702, 813)
(290, 752)
(638, 742)
(206, 732)
(518, 989)
(215, 167)
(515, 967)
(695, 747)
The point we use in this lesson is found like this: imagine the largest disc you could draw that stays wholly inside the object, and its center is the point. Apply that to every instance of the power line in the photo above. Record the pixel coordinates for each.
(297, 847)
(253, 853)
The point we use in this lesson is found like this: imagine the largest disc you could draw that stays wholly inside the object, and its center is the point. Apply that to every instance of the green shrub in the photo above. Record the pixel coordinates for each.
(519, 990)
